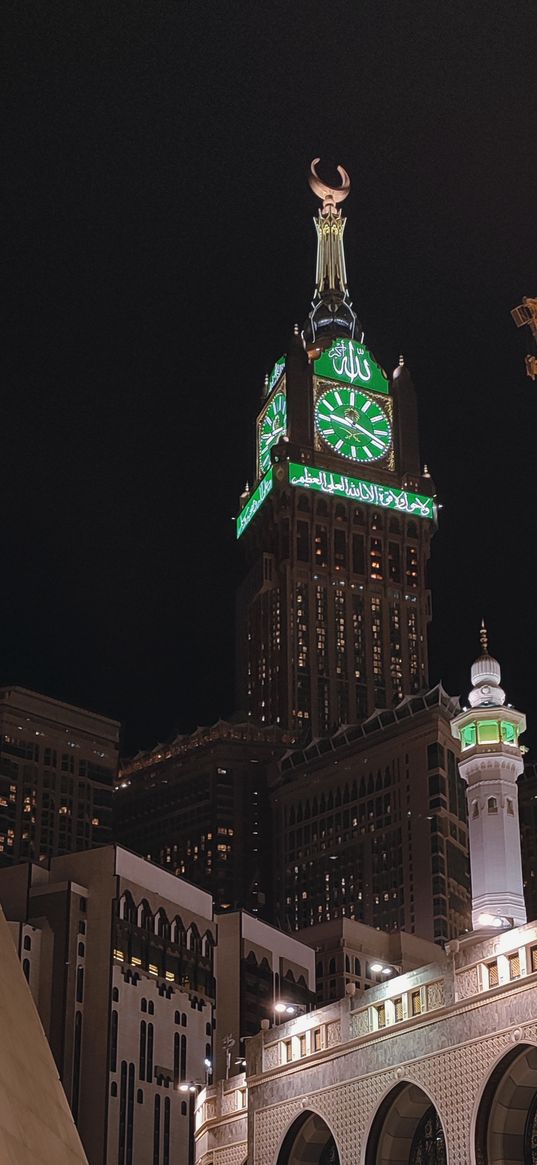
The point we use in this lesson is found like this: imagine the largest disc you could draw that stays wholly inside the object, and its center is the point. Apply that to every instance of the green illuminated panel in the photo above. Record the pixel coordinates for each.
(353, 424)
(468, 735)
(277, 371)
(369, 492)
(508, 731)
(254, 503)
(351, 363)
(272, 427)
(488, 732)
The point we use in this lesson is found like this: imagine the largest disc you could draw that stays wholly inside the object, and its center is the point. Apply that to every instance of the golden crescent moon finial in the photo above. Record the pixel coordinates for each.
(330, 195)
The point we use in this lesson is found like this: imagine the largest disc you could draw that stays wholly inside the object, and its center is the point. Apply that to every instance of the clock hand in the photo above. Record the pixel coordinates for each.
(353, 425)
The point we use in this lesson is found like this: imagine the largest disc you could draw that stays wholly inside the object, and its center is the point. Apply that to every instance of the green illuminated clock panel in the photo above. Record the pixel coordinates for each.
(271, 428)
(352, 423)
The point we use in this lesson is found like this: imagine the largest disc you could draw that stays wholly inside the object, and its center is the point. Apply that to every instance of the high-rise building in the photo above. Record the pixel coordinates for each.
(119, 957)
(57, 769)
(370, 824)
(336, 529)
(199, 806)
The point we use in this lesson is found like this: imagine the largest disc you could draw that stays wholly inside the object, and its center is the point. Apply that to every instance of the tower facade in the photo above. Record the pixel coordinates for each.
(336, 529)
(490, 763)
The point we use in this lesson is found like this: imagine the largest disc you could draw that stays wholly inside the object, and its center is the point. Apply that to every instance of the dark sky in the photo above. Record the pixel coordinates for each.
(159, 247)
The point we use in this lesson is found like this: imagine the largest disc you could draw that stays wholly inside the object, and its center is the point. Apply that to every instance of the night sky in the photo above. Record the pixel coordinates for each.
(159, 247)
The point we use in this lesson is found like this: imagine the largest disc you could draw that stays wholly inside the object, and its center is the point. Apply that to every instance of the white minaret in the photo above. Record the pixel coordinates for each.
(490, 762)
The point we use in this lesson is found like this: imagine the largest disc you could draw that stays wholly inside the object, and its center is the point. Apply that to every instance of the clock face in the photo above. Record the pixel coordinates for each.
(353, 424)
(272, 428)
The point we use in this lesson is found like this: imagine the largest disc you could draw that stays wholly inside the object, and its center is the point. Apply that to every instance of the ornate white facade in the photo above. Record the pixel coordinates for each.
(359, 1082)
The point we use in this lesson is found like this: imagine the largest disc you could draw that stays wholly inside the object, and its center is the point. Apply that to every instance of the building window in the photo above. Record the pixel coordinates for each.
(398, 1009)
(287, 1051)
(510, 809)
(376, 569)
(381, 1015)
(27, 943)
(475, 809)
(533, 958)
(514, 966)
(143, 1049)
(26, 969)
(80, 984)
(340, 549)
(302, 541)
(492, 805)
(303, 1048)
(492, 974)
(113, 1041)
(412, 567)
(149, 1064)
(140, 1096)
(316, 1035)
(415, 1000)
(321, 546)
(156, 1131)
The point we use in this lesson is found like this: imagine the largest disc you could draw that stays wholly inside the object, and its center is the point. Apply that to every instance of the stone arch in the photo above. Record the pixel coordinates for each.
(506, 1119)
(407, 1129)
(308, 1141)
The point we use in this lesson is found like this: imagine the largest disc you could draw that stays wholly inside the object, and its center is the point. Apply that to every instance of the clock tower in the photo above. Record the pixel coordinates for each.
(336, 529)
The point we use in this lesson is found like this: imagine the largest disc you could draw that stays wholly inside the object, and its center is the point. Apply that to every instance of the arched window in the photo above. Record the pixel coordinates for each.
(162, 925)
(475, 809)
(492, 805)
(178, 932)
(428, 1145)
(332, 967)
(510, 809)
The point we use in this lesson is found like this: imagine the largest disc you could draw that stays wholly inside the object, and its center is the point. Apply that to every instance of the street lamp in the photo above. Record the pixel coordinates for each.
(192, 1087)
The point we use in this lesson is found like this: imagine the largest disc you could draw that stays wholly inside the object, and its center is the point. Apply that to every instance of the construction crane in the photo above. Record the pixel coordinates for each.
(526, 313)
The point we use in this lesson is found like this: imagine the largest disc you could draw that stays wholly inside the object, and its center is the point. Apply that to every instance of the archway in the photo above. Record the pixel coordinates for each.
(506, 1126)
(407, 1130)
(309, 1141)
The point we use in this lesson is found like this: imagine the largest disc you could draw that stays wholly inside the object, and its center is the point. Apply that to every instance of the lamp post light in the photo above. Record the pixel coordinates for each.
(283, 1009)
(192, 1087)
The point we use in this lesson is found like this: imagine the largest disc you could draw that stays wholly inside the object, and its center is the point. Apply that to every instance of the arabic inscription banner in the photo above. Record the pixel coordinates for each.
(373, 494)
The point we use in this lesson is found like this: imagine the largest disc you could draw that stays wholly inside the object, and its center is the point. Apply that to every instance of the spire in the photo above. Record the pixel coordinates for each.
(331, 313)
(486, 675)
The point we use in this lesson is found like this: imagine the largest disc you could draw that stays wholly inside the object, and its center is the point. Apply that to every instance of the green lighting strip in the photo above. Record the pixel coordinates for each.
(373, 494)
(254, 503)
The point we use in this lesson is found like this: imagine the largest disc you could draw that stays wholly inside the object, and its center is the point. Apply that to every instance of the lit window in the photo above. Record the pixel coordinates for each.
(492, 972)
(514, 966)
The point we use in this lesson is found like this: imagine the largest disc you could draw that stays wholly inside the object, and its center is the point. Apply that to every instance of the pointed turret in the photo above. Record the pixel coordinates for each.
(331, 312)
(490, 762)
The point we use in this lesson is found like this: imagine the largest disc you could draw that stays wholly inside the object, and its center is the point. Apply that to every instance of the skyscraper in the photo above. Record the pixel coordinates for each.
(336, 529)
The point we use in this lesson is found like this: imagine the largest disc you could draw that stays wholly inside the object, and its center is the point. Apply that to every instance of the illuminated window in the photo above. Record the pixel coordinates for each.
(415, 1002)
(398, 1009)
(287, 1051)
(396, 657)
(533, 958)
(413, 660)
(412, 567)
(321, 546)
(358, 641)
(468, 736)
(339, 610)
(381, 1015)
(488, 732)
(303, 1045)
(378, 654)
(508, 732)
(375, 559)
